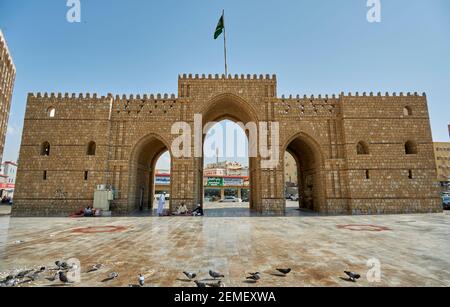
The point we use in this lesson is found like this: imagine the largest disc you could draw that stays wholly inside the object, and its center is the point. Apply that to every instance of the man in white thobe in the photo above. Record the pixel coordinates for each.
(161, 204)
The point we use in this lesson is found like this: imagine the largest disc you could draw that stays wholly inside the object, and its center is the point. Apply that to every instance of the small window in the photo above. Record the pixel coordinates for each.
(51, 112)
(411, 148)
(410, 174)
(86, 175)
(45, 149)
(407, 111)
(91, 149)
(362, 148)
(44, 175)
(367, 174)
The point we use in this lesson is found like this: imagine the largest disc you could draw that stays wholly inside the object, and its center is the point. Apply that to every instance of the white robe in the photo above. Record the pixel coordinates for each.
(161, 205)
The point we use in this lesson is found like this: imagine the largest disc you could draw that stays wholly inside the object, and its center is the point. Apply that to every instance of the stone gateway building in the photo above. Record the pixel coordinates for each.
(356, 153)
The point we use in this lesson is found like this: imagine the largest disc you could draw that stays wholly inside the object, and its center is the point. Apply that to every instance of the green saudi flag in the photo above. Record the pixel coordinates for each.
(220, 27)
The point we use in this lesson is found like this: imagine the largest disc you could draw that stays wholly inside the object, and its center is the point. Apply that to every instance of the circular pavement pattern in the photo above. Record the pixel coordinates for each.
(356, 227)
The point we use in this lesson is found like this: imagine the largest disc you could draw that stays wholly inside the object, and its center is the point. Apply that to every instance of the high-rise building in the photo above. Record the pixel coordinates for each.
(7, 77)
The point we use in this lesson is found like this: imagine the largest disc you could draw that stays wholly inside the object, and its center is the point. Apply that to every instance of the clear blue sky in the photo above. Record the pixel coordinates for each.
(314, 46)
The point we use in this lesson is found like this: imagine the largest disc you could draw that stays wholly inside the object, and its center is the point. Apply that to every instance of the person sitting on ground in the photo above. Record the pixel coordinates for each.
(88, 212)
(181, 210)
(198, 211)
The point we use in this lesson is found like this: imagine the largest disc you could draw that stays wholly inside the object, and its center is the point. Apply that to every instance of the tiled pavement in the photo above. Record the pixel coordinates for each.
(413, 249)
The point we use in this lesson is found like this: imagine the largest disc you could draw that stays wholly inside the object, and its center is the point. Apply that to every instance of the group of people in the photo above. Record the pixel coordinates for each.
(181, 210)
(89, 212)
(6, 200)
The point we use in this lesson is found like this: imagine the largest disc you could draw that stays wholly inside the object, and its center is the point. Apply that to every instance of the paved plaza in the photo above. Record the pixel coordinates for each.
(413, 249)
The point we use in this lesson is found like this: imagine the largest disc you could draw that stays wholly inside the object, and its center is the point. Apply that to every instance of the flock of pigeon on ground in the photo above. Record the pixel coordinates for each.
(59, 272)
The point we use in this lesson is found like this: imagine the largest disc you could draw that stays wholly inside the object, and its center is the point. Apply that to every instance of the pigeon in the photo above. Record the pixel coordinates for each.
(11, 283)
(254, 276)
(284, 271)
(352, 276)
(95, 268)
(9, 277)
(141, 280)
(215, 275)
(215, 285)
(200, 284)
(63, 278)
(190, 275)
(61, 265)
(23, 274)
(36, 274)
(111, 276)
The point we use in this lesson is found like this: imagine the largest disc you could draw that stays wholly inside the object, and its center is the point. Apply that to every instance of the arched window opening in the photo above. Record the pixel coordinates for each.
(91, 149)
(411, 148)
(51, 112)
(45, 149)
(407, 111)
(362, 148)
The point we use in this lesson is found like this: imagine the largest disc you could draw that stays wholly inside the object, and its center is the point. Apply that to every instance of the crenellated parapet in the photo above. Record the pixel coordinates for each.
(65, 96)
(240, 77)
(379, 94)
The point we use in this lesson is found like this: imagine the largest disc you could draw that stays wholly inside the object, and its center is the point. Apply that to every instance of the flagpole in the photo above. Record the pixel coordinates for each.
(225, 43)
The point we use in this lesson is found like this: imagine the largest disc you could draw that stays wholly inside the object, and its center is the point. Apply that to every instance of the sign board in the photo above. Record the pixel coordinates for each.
(7, 186)
(214, 182)
(162, 180)
(233, 182)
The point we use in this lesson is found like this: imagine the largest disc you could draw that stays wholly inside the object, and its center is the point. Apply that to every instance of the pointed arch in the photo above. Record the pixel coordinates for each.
(362, 148)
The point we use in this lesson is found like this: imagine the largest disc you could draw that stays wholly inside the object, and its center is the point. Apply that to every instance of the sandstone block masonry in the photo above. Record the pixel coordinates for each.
(356, 153)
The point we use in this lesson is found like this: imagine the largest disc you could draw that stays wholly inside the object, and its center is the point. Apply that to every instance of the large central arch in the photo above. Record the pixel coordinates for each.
(142, 168)
(234, 108)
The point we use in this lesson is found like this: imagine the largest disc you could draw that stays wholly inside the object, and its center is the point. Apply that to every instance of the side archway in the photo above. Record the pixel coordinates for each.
(142, 171)
(310, 171)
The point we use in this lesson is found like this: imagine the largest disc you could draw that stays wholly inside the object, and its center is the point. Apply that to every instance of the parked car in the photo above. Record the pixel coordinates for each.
(446, 202)
(231, 199)
(295, 197)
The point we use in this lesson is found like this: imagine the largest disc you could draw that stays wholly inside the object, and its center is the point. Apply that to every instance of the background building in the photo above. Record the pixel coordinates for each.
(8, 172)
(7, 77)
(442, 154)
